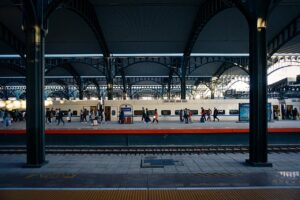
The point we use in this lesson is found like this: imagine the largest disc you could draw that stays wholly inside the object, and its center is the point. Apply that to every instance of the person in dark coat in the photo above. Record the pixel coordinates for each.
(215, 115)
(60, 117)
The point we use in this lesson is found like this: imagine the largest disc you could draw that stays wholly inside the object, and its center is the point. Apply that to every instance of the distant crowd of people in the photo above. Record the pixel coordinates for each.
(288, 114)
(93, 116)
(185, 115)
(146, 116)
(7, 117)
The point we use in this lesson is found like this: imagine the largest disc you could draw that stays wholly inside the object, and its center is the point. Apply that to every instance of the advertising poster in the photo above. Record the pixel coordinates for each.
(244, 109)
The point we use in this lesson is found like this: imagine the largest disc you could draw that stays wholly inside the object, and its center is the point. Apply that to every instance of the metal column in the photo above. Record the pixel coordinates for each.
(258, 155)
(35, 124)
(183, 77)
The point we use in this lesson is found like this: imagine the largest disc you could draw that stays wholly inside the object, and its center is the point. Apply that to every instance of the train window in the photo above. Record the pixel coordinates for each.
(113, 112)
(166, 112)
(151, 112)
(74, 112)
(234, 112)
(138, 112)
(221, 112)
(194, 112)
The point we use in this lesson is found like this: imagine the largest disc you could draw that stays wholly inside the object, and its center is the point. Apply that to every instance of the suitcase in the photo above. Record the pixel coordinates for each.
(95, 122)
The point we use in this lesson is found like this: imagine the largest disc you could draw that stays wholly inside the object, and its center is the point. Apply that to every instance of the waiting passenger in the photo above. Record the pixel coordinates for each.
(202, 119)
(147, 119)
(190, 115)
(181, 115)
(185, 115)
(48, 115)
(208, 115)
(215, 115)
(6, 118)
(295, 113)
(155, 116)
(69, 115)
(1, 115)
(81, 116)
(121, 117)
(143, 115)
(101, 115)
(60, 117)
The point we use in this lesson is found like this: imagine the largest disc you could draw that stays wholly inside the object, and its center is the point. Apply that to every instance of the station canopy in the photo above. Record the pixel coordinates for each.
(155, 28)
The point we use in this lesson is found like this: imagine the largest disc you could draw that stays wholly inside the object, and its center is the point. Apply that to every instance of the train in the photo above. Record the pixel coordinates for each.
(168, 110)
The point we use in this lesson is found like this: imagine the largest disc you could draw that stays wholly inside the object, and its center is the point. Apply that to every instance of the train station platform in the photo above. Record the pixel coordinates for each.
(164, 126)
(163, 133)
(179, 176)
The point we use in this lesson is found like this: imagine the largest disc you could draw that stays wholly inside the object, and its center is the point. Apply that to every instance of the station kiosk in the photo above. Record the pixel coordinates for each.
(127, 109)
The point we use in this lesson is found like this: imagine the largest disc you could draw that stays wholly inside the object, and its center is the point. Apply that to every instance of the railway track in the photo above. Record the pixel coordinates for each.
(148, 149)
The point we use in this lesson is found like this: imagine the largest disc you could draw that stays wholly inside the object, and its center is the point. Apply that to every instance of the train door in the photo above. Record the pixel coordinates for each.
(107, 111)
(289, 111)
(93, 108)
(276, 112)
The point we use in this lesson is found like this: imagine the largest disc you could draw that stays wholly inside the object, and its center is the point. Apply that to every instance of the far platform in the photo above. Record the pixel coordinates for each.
(152, 128)
(163, 133)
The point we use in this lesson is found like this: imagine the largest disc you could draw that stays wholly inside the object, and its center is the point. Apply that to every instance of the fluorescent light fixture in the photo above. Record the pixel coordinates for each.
(9, 56)
(55, 55)
(221, 54)
(146, 54)
(72, 55)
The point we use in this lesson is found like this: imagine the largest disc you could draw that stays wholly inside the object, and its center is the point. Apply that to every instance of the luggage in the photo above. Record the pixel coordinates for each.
(95, 122)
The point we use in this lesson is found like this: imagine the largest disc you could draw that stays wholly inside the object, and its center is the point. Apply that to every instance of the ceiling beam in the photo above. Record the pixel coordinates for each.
(291, 30)
(12, 40)
(87, 12)
(206, 11)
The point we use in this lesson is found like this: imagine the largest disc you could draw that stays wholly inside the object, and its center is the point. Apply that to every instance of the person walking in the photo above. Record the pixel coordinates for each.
(155, 116)
(6, 118)
(185, 115)
(143, 115)
(48, 116)
(60, 117)
(208, 115)
(215, 114)
(69, 116)
(181, 115)
(202, 119)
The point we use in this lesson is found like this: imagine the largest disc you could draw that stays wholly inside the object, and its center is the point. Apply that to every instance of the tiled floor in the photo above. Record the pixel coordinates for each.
(204, 170)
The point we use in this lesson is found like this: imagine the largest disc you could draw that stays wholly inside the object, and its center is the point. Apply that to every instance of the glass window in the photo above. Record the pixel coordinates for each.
(177, 112)
(113, 112)
(151, 112)
(166, 112)
(233, 112)
(194, 112)
(138, 112)
(221, 112)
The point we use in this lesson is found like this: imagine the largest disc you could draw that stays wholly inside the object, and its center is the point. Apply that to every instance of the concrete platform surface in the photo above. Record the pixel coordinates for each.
(161, 125)
(125, 171)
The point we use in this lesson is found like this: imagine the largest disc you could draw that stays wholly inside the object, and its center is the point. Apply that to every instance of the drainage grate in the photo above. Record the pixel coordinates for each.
(159, 163)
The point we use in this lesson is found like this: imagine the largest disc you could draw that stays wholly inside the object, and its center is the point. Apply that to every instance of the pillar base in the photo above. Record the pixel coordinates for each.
(258, 164)
(35, 165)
